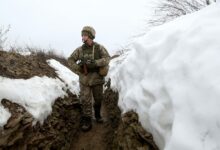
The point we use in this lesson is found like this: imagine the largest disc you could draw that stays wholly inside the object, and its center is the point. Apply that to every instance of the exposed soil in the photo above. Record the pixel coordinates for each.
(117, 133)
(15, 65)
(100, 137)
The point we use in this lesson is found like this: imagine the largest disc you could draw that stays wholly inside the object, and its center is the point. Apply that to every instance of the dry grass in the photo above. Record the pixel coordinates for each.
(39, 52)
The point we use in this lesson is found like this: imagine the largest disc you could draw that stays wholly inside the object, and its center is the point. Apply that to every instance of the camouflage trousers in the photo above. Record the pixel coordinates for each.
(87, 95)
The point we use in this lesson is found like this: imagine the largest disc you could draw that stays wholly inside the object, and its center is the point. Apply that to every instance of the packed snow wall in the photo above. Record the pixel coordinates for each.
(170, 78)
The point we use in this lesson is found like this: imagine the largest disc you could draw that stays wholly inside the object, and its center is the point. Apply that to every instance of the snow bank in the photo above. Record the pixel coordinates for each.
(172, 79)
(36, 95)
(5, 115)
(70, 78)
(113, 68)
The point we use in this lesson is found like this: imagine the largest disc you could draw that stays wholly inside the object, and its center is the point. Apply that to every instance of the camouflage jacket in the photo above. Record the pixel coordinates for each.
(99, 54)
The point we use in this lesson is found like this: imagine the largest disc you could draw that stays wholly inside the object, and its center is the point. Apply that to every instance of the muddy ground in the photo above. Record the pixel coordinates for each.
(118, 132)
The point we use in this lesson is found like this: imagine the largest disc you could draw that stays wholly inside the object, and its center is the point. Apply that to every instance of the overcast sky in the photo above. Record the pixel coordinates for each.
(58, 23)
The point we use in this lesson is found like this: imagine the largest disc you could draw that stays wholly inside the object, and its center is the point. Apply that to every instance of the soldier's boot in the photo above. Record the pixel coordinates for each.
(98, 117)
(86, 123)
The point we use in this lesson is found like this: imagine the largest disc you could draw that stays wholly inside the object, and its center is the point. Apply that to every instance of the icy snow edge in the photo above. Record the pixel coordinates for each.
(37, 94)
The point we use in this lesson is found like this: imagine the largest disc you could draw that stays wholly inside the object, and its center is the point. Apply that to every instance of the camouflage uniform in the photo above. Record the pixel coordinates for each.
(92, 83)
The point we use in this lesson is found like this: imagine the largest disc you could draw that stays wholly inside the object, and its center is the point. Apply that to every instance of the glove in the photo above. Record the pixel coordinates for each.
(81, 63)
(91, 64)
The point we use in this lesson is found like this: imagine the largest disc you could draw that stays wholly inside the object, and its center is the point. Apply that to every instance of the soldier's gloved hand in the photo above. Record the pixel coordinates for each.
(81, 63)
(80, 66)
(91, 64)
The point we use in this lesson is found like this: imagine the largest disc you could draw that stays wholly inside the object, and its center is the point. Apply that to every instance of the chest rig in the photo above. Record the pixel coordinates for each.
(90, 53)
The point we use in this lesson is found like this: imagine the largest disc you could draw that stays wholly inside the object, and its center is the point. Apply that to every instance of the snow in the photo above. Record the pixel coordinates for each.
(171, 79)
(70, 78)
(5, 115)
(36, 95)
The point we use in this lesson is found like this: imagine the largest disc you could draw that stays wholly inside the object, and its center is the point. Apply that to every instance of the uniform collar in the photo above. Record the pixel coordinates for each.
(87, 46)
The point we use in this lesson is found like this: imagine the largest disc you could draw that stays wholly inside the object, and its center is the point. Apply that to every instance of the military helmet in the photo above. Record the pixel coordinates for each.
(90, 30)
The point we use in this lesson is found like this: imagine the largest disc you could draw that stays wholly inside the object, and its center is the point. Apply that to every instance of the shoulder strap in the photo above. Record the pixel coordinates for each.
(93, 51)
(96, 51)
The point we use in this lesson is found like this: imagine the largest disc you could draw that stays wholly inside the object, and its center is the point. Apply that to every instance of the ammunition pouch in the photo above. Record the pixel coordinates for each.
(103, 71)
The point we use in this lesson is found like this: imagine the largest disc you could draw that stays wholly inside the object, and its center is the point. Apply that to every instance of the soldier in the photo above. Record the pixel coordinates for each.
(86, 61)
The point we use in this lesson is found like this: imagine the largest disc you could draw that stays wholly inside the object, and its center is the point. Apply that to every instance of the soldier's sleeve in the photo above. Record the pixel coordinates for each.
(72, 62)
(105, 57)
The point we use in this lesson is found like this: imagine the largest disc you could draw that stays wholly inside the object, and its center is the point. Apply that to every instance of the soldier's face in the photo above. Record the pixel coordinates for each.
(85, 38)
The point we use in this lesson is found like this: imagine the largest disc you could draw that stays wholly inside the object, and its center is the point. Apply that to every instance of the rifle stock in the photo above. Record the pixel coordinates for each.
(85, 70)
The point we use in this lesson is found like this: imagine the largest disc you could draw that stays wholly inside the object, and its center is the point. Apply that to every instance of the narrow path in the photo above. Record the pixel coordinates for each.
(117, 132)
(95, 139)
(91, 140)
